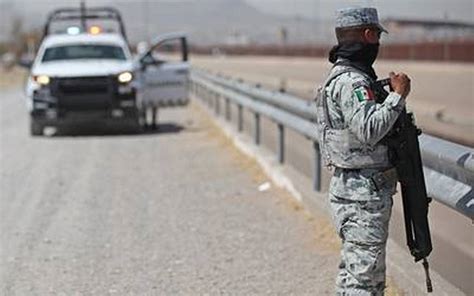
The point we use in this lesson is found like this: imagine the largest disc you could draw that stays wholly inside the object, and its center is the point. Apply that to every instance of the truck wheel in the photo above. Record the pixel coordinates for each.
(154, 118)
(135, 126)
(142, 117)
(36, 128)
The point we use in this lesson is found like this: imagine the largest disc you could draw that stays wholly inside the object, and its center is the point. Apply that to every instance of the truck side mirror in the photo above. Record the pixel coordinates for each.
(148, 60)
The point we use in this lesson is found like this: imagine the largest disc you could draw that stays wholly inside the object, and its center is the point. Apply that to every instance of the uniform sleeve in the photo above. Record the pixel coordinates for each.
(369, 121)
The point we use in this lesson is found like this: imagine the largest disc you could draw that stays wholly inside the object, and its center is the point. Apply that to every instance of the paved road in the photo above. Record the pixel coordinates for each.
(442, 93)
(175, 212)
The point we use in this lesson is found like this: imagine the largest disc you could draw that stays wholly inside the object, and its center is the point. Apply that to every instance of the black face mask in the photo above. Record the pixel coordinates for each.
(357, 54)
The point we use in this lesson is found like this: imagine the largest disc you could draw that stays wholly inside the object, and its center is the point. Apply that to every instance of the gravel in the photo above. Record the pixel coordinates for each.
(174, 212)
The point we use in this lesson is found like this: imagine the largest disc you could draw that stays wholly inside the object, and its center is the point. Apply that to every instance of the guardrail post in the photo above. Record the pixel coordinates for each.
(317, 167)
(202, 94)
(281, 143)
(257, 128)
(217, 103)
(241, 118)
(227, 109)
(209, 96)
(282, 87)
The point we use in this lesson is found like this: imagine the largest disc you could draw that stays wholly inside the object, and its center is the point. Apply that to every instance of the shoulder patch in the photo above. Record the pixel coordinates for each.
(364, 93)
(359, 83)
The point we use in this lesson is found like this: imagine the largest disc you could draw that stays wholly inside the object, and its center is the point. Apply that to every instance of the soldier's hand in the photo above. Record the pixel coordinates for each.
(400, 83)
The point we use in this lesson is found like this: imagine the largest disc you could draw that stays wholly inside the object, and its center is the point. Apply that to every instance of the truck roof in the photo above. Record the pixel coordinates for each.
(65, 39)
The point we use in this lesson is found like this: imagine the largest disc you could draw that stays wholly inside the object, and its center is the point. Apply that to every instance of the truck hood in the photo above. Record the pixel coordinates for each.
(82, 68)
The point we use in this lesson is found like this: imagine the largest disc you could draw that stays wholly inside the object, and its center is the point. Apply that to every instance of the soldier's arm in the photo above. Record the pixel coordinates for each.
(369, 121)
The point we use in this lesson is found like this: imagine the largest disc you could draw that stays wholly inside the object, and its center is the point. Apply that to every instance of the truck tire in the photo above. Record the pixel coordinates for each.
(154, 118)
(36, 128)
(135, 126)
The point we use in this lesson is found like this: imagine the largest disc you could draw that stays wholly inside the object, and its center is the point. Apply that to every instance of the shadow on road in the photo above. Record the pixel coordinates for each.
(107, 131)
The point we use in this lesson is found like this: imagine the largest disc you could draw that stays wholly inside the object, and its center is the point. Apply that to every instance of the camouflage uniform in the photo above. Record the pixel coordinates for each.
(351, 125)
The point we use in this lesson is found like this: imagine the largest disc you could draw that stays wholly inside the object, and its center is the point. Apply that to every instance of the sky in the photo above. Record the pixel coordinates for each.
(454, 10)
(458, 10)
(33, 13)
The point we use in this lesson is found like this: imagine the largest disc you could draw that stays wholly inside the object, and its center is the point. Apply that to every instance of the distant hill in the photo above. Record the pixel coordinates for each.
(214, 21)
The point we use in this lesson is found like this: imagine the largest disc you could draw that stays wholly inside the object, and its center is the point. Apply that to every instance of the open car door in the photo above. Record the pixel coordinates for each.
(164, 72)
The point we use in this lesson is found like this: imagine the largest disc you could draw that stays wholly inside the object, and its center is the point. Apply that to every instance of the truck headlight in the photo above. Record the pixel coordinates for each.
(125, 77)
(41, 79)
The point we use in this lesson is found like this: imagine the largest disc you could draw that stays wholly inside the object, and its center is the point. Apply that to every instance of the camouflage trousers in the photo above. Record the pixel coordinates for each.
(363, 228)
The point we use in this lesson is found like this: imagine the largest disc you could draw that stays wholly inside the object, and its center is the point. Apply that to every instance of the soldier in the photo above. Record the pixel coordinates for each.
(352, 124)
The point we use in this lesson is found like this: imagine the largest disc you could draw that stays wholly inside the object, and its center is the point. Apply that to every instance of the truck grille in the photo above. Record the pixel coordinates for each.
(84, 93)
(83, 85)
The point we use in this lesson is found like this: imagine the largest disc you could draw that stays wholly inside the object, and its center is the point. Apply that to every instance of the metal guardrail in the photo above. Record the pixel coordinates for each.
(449, 167)
(293, 104)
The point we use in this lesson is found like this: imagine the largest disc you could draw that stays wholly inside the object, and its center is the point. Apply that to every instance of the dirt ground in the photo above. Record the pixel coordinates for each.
(12, 77)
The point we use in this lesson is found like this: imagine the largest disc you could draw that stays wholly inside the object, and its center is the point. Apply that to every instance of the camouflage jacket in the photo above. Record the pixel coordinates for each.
(351, 125)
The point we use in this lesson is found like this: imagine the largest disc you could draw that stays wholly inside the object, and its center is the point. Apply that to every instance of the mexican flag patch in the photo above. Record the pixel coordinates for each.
(364, 94)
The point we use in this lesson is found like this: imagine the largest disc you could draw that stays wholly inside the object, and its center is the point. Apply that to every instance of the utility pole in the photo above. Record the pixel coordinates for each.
(283, 36)
(446, 55)
(146, 7)
(83, 16)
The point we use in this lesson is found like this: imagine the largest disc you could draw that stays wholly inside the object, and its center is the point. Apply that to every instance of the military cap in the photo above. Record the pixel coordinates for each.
(358, 16)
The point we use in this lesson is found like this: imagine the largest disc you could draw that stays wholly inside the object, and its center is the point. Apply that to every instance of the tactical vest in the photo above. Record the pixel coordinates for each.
(340, 147)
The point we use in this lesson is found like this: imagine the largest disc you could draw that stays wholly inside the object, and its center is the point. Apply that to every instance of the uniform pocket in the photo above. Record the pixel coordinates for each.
(384, 183)
(352, 185)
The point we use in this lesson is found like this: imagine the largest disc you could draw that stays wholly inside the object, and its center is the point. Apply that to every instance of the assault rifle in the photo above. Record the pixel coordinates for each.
(404, 149)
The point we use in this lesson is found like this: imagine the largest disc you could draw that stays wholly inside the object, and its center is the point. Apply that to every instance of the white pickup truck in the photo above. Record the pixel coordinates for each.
(83, 75)
(81, 78)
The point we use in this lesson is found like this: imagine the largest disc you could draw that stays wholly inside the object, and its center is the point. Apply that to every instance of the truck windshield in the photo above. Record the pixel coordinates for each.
(72, 52)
